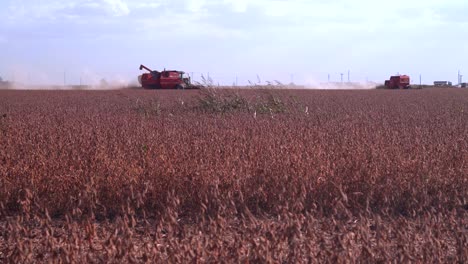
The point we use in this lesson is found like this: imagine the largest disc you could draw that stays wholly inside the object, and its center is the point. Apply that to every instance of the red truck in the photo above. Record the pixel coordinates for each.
(164, 80)
(398, 82)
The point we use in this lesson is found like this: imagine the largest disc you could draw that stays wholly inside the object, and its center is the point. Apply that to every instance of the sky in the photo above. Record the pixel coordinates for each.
(305, 41)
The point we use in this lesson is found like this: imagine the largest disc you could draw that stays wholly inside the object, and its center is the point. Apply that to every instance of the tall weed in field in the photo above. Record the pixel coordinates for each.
(214, 100)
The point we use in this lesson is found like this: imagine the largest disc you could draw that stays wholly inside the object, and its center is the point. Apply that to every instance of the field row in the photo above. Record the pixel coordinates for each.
(259, 175)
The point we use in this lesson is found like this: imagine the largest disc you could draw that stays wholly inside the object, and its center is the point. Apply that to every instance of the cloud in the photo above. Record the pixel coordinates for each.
(238, 6)
(270, 34)
(116, 7)
(25, 12)
(363, 12)
(195, 5)
(321, 16)
(263, 19)
(146, 4)
(180, 25)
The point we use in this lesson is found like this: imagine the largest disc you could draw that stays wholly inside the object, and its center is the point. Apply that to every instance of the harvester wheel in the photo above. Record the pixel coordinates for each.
(179, 87)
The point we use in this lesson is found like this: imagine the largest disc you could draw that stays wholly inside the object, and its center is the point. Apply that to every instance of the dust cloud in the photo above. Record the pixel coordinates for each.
(343, 86)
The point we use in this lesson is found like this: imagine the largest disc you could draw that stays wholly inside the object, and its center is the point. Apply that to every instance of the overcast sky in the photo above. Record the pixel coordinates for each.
(42, 39)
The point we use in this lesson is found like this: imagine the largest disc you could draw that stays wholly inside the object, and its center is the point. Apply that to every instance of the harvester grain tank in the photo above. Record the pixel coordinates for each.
(398, 82)
(166, 79)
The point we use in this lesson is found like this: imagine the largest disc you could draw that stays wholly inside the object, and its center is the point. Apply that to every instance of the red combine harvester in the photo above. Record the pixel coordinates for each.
(164, 80)
(398, 82)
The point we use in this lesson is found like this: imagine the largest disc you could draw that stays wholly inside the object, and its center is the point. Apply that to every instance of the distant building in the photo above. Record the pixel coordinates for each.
(463, 85)
(442, 83)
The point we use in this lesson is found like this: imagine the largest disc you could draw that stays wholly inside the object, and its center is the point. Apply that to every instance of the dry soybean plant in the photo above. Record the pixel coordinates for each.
(361, 176)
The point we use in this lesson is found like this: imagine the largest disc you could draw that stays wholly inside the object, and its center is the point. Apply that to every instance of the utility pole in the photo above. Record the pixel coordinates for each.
(460, 78)
(349, 80)
(341, 77)
(328, 77)
(420, 81)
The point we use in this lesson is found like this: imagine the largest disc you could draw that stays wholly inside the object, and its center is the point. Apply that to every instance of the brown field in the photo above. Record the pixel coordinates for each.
(234, 176)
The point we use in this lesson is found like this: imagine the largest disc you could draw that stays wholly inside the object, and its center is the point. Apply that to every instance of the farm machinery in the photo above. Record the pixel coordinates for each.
(398, 82)
(166, 79)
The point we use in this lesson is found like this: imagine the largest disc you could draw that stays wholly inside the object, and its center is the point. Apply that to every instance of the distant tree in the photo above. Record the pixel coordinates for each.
(1, 80)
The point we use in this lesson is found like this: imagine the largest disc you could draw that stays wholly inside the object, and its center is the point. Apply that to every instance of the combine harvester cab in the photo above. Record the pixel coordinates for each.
(398, 82)
(164, 80)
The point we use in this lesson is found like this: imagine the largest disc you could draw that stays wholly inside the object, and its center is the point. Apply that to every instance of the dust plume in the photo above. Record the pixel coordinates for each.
(312, 84)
